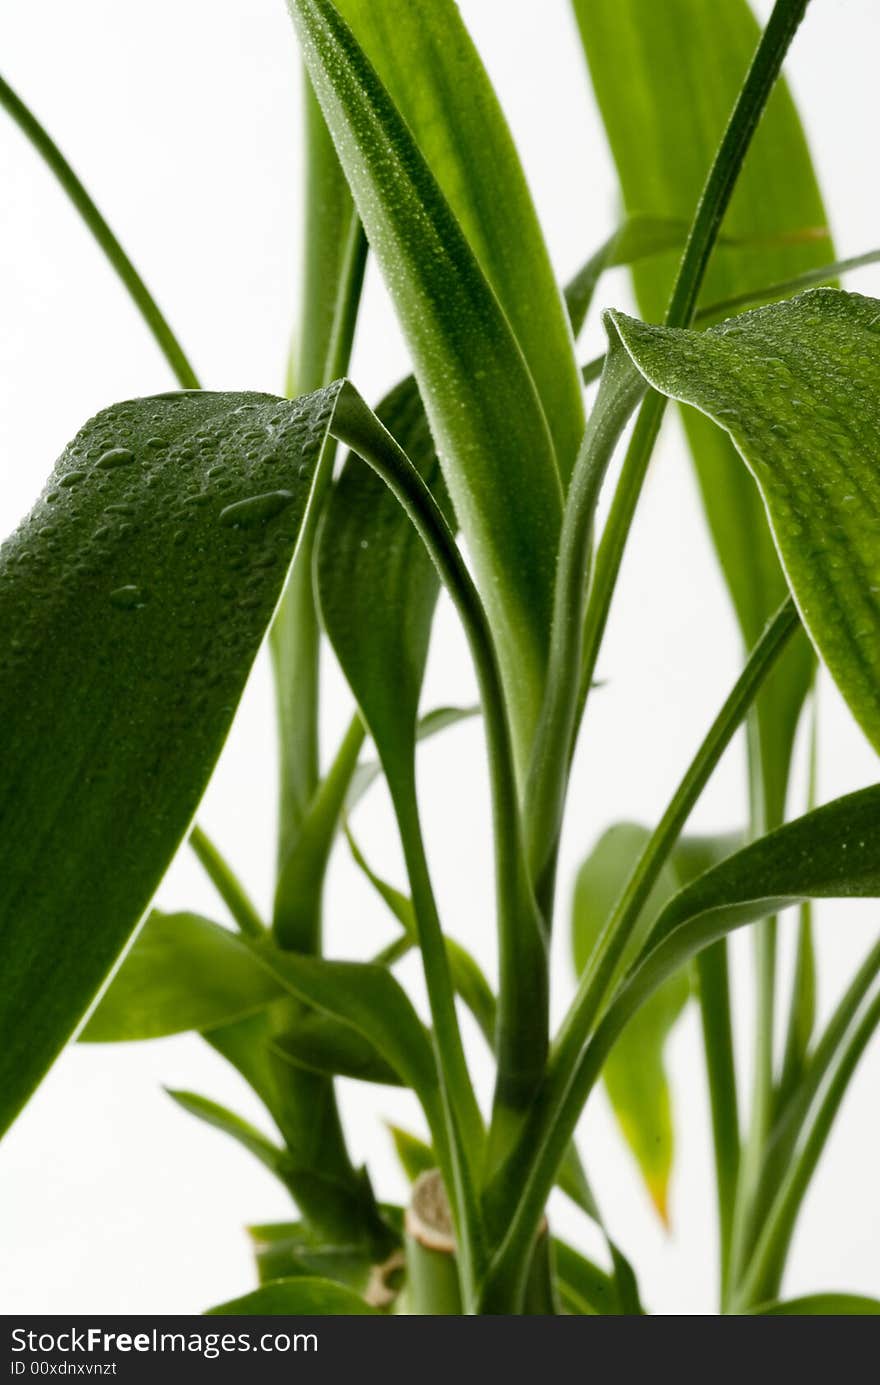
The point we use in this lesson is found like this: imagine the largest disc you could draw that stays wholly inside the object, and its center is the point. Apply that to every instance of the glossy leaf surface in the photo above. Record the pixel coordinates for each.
(133, 600)
(796, 386)
(485, 415)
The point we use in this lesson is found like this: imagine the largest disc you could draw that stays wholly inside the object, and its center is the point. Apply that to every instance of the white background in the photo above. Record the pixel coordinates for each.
(182, 118)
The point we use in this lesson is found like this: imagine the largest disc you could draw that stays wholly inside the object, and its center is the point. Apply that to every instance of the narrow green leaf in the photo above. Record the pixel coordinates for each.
(427, 62)
(820, 1306)
(245, 1134)
(796, 385)
(166, 520)
(666, 77)
(182, 972)
(299, 1297)
(376, 585)
(416, 1157)
(484, 412)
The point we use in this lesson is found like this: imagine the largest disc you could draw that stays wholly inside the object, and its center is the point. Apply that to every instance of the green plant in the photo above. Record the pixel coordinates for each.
(176, 530)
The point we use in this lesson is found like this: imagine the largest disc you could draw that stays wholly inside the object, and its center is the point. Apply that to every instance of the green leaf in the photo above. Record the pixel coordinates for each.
(425, 58)
(666, 77)
(133, 600)
(377, 587)
(819, 1306)
(320, 1043)
(585, 1289)
(634, 1074)
(245, 1134)
(369, 1001)
(795, 385)
(182, 972)
(299, 1297)
(292, 1250)
(830, 853)
(492, 436)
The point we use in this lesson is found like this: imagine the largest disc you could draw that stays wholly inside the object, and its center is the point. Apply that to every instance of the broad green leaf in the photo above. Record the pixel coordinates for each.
(298, 1297)
(819, 1306)
(292, 1250)
(796, 387)
(666, 77)
(133, 599)
(424, 57)
(492, 437)
(182, 972)
(634, 1074)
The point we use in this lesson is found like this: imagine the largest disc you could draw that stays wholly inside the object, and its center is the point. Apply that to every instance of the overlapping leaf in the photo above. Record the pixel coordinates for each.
(133, 600)
(485, 414)
(796, 386)
(666, 77)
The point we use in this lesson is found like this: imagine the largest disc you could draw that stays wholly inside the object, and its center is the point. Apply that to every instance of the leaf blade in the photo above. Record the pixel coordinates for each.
(785, 383)
(137, 691)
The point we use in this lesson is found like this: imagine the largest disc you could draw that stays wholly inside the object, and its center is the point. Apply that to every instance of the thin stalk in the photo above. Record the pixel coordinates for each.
(714, 995)
(523, 999)
(227, 885)
(525, 1182)
(137, 289)
(762, 1275)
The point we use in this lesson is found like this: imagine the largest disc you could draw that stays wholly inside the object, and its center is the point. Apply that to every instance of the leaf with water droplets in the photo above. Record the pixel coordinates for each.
(485, 413)
(682, 57)
(796, 386)
(133, 600)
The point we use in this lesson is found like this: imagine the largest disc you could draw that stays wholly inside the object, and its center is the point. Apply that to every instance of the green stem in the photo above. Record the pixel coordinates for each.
(714, 994)
(227, 885)
(137, 289)
(334, 261)
(619, 393)
(524, 1183)
(523, 991)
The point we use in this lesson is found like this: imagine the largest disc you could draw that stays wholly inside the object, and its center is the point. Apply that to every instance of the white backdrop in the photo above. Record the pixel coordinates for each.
(182, 119)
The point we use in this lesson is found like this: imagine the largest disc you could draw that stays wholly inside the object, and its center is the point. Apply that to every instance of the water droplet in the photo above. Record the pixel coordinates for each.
(116, 456)
(157, 443)
(128, 598)
(72, 478)
(257, 509)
